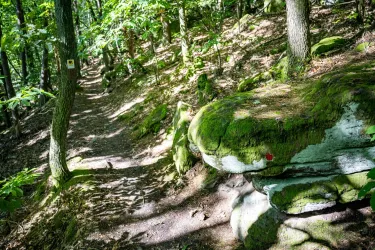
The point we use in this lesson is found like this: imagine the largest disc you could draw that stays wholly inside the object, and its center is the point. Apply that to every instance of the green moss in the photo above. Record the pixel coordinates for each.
(362, 47)
(264, 232)
(198, 62)
(182, 156)
(152, 122)
(218, 129)
(292, 199)
(343, 188)
(206, 91)
(327, 44)
(71, 230)
(281, 69)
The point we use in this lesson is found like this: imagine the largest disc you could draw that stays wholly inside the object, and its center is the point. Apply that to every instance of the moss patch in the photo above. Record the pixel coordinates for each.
(327, 44)
(294, 198)
(182, 156)
(152, 122)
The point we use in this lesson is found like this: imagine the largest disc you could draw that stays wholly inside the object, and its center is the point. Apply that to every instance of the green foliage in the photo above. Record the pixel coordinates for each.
(25, 97)
(11, 192)
(367, 189)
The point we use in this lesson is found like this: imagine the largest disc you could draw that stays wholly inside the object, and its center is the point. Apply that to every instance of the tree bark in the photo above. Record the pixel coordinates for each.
(78, 34)
(9, 87)
(298, 34)
(360, 7)
(4, 111)
(22, 26)
(167, 35)
(44, 76)
(183, 32)
(239, 9)
(68, 80)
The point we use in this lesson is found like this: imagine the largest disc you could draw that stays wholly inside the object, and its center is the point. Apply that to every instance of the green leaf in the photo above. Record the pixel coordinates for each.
(372, 202)
(25, 103)
(370, 130)
(365, 189)
(371, 174)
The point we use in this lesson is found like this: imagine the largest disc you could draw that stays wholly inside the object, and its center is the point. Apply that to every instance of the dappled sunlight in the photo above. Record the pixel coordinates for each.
(127, 106)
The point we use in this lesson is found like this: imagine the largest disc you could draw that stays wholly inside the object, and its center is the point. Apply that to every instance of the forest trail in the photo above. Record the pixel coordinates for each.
(133, 201)
(124, 194)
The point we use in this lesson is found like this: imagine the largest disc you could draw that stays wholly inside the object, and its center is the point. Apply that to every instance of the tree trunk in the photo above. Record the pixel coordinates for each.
(239, 9)
(78, 34)
(22, 26)
(4, 111)
(129, 36)
(167, 35)
(68, 80)
(298, 35)
(9, 87)
(183, 32)
(152, 43)
(44, 76)
(360, 7)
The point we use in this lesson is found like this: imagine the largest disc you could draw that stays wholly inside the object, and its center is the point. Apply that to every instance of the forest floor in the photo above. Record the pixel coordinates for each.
(123, 196)
(125, 192)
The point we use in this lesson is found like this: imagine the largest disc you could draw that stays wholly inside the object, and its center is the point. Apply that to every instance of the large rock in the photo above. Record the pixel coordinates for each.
(182, 156)
(306, 194)
(327, 44)
(272, 130)
(304, 146)
(260, 226)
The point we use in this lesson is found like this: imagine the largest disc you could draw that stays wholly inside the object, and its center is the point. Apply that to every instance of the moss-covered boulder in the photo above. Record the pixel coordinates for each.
(260, 226)
(269, 130)
(327, 44)
(182, 156)
(152, 122)
(274, 6)
(306, 194)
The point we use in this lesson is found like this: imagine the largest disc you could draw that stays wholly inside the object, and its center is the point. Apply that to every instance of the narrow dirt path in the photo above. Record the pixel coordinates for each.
(122, 197)
(133, 200)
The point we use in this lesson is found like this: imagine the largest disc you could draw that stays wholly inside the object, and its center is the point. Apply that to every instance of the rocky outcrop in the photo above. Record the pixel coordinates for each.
(182, 156)
(305, 147)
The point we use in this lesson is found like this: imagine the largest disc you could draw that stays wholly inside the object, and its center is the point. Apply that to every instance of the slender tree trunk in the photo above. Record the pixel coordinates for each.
(130, 38)
(4, 111)
(152, 44)
(22, 26)
(9, 87)
(298, 34)
(239, 9)
(183, 32)
(167, 35)
(60, 121)
(360, 7)
(78, 34)
(44, 76)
